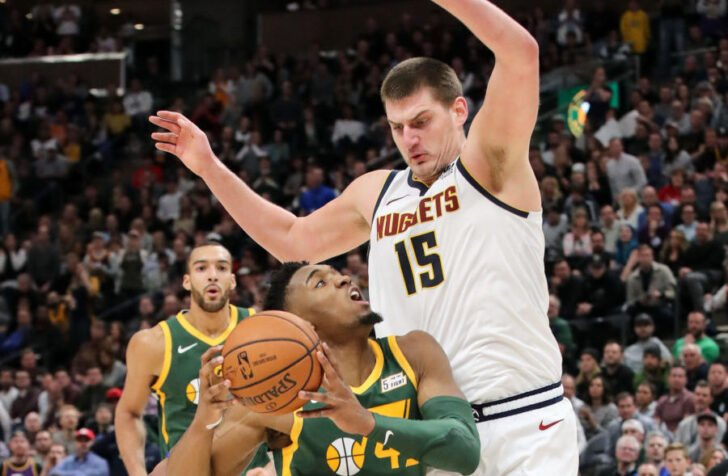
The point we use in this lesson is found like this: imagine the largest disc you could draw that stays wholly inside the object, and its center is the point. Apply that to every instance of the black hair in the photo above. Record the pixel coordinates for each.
(207, 242)
(275, 298)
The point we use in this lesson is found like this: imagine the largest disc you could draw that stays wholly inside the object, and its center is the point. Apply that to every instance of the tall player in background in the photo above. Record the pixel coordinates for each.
(456, 241)
(166, 358)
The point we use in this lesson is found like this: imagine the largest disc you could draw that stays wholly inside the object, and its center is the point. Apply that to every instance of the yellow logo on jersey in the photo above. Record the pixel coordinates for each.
(345, 456)
(429, 209)
(193, 388)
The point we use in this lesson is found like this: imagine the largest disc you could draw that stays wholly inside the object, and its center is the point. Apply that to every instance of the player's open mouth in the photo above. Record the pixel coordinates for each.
(212, 291)
(356, 295)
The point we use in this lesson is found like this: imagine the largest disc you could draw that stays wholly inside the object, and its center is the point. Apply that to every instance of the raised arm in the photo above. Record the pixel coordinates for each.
(144, 358)
(496, 152)
(339, 226)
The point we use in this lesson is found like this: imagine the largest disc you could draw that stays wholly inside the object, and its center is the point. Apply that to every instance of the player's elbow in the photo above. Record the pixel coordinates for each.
(471, 457)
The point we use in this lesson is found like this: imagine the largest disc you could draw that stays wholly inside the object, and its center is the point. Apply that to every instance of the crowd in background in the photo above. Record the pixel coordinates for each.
(96, 224)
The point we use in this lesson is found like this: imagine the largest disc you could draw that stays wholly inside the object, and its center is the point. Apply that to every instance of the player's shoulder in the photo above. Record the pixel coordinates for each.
(420, 349)
(147, 344)
(370, 183)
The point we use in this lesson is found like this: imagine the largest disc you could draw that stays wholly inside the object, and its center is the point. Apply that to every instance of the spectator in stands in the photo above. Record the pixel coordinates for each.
(562, 331)
(555, 227)
(567, 381)
(718, 388)
(673, 251)
(316, 194)
(20, 458)
(83, 461)
(707, 431)
(66, 434)
(646, 399)
(719, 222)
(655, 371)
(654, 230)
(678, 403)
(687, 430)
(655, 444)
(569, 20)
(56, 454)
(696, 335)
(651, 288)
(629, 208)
(617, 376)
(598, 411)
(42, 446)
(138, 104)
(94, 391)
(27, 399)
(689, 224)
(696, 368)
(609, 225)
(577, 242)
(588, 369)
(677, 459)
(644, 327)
(603, 291)
(623, 170)
(703, 267)
(627, 410)
(627, 452)
(635, 27)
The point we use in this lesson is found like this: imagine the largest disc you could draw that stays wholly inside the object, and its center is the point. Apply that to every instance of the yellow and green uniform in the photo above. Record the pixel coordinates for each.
(320, 448)
(178, 384)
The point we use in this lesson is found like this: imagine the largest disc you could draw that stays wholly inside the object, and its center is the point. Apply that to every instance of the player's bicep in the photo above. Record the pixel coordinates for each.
(431, 366)
(500, 134)
(142, 356)
(343, 223)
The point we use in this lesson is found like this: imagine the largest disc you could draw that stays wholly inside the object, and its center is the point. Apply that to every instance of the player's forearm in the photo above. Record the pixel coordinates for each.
(268, 224)
(503, 35)
(130, 436)
(446, 438)
(191, 454)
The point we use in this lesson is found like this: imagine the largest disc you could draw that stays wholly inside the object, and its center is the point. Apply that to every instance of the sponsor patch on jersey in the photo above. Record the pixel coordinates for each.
(393, 381)
(447, 170)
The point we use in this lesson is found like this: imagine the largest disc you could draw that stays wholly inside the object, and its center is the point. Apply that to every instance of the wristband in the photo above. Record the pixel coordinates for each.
(212, 426)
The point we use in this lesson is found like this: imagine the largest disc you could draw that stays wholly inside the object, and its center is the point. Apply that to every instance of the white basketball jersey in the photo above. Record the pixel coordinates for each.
(458, 263)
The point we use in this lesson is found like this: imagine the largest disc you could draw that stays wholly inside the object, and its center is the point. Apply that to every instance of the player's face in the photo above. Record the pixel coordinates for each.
(428, 134)
(328, 300)
(210, 278)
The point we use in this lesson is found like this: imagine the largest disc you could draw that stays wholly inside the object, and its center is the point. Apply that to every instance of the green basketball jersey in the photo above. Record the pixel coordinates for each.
(178, 384)
(320, 448)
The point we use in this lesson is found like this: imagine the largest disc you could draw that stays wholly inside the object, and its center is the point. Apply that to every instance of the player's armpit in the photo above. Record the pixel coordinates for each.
(430, 365)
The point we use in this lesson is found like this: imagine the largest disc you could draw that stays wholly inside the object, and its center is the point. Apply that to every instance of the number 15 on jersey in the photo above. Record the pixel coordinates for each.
(428, 262)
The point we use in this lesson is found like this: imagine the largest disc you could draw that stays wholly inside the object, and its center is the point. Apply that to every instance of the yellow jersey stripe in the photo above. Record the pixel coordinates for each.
(288, 452)
(376, 371)
(211, 341)
(402, 360)
(157, 387)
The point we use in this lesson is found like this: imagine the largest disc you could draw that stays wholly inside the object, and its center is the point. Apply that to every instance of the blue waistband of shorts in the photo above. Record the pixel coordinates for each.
(509, 406)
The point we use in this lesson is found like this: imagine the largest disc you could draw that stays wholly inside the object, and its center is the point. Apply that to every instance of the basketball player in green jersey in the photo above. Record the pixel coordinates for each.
(389, 406)
(166, 358)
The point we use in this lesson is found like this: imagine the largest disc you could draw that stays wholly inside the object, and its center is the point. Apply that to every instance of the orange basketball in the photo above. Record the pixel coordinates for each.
(268, 358)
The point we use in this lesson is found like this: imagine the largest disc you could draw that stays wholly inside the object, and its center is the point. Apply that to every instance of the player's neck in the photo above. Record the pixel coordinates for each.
(356, 360)
(211, 324)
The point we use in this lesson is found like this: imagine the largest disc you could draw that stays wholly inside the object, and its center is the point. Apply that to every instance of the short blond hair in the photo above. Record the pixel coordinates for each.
(414, 74)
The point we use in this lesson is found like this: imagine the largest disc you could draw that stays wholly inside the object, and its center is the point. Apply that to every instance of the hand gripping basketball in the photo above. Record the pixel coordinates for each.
(342, 406)
(213, 390)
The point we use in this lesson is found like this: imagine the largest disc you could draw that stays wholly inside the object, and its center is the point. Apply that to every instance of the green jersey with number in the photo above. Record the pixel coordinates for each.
(320, 448)
(178, 384)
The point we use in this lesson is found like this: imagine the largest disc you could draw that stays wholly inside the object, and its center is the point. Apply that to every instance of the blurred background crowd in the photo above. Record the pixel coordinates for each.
(96, 224)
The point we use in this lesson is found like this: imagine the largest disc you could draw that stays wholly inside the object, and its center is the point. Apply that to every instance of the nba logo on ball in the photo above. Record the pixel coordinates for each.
(245, 368)
(345, 456)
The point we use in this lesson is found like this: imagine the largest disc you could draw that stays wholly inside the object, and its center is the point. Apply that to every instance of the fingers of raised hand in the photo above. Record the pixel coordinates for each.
(165, 137)
(165, 124)
(209, 354)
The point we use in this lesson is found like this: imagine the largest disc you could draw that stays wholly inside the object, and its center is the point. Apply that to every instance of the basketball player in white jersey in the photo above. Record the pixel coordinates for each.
(456, 242)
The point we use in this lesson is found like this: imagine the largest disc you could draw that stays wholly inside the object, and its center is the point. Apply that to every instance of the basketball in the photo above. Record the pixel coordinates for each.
(268, 358)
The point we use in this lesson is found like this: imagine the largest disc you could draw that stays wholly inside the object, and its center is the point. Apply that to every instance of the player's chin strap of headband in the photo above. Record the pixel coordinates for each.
(446, 438)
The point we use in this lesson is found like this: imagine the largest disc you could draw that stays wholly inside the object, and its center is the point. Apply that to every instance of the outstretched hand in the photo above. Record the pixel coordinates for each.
(183, 139)
(342, 406)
